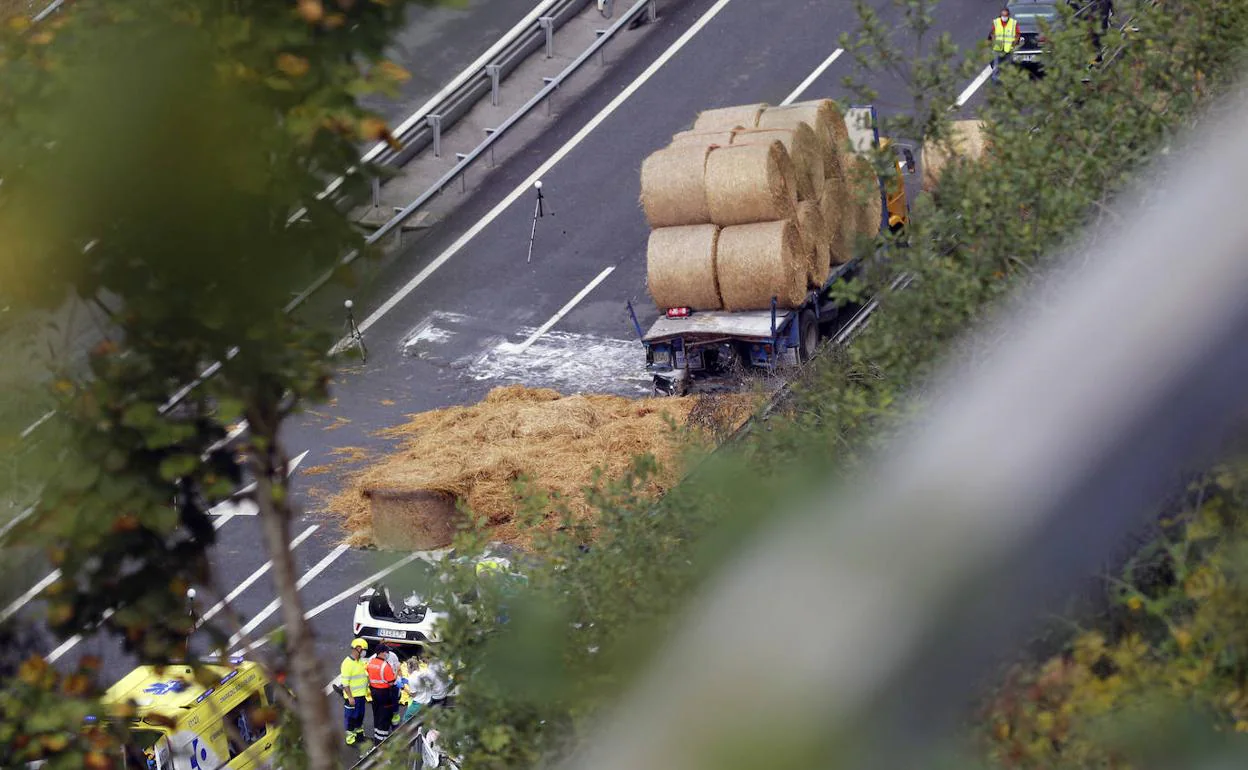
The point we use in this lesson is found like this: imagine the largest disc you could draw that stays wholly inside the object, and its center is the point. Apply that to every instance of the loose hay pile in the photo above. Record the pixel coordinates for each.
(474, 455)
(790, 167)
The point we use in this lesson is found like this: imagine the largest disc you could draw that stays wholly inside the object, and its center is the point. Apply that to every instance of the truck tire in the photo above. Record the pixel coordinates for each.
(807, 336)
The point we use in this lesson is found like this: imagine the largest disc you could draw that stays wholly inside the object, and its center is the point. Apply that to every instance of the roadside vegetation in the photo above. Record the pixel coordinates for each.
(602, 591)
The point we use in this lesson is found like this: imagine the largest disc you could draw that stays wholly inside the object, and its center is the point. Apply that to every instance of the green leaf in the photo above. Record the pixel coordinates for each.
(177, 466)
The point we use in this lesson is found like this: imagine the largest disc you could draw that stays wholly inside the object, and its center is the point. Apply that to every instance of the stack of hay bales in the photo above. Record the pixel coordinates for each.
(966, 140)
(752, 202)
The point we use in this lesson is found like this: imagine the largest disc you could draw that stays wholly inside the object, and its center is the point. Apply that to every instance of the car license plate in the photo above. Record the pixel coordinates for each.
(1025, 57)
(388, 634)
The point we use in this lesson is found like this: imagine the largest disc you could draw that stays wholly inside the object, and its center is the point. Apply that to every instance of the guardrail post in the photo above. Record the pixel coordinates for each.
(463, 175)
(493, 70)
(551, 97)
(488, 133)
(653, 11)
(435, 122)
(602, 52)
(548, 24)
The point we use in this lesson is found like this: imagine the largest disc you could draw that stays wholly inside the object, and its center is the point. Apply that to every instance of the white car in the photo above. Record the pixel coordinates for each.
(381, 617)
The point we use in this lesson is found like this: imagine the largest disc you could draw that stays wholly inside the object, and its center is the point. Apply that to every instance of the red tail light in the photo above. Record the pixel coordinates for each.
(1041, 39)
(678, 312)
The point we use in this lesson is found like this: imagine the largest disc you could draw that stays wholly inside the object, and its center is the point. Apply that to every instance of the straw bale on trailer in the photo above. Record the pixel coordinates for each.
(804, 150)
(867, 208)
(816, 242)
(822, 115)
(757, 261)
(680, 267)
(967, 139)
(750, 183)
(744, 116)
(702, 138)
(474, 454)
(673, 186)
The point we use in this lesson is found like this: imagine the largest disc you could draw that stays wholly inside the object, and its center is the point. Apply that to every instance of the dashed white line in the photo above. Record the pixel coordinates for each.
(801, 89)
(25, 598)
(507, 347)
(264, 614)
(526, 186)
(253, 577)
(970, 90)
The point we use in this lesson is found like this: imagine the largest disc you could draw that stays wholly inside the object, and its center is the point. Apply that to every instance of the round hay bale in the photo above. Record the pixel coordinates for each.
(967, 140)
(673, 186)
(838, 216)
(750, 183)
(744, 116)
(804, 150)
(822, 115)
(412, 520)
(868, 207)
(703, 138)
(816, 242)
(680, 267)
(756, 262)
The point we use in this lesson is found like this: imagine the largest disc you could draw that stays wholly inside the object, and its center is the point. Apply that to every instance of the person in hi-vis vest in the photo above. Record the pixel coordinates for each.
(1004, 37)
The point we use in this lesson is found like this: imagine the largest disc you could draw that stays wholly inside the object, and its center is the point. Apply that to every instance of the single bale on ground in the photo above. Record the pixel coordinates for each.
(673, 186)
(750, 183)
(743, 116)
(702, 138)
(967, 140)
(804, 150)
(816, 242)
(756, 262)
(412, 520)
(680, 267)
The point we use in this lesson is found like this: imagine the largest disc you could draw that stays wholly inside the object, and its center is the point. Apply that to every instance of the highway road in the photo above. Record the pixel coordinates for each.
(461, 312)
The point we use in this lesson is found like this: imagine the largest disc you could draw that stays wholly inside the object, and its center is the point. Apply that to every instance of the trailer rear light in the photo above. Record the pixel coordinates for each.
(678, 312)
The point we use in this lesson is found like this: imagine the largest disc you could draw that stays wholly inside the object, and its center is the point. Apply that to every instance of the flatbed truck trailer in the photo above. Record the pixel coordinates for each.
(683, 345)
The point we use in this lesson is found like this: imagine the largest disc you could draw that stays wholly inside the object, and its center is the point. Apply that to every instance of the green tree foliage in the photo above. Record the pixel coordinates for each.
(1062, 151)
(152, 153)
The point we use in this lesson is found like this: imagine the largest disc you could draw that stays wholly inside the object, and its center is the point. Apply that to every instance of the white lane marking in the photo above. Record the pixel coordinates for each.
(22, 600)
(474, 69)
(811, 77)
(354, 590)
(225, 515)
(228, 509)
(73, 641)
(253, 577)
(970, 90)
(35, 425)
(320, 567)
(507, 347)
(526, 186)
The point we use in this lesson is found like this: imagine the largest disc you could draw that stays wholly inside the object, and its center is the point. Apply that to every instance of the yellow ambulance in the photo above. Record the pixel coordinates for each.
(178, 723)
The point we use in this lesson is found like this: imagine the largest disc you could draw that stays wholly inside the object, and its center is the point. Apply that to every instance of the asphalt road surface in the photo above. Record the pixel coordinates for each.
(461, 311)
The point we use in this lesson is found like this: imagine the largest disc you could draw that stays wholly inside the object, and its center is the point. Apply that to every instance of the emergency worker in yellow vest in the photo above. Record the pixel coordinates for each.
(354, 678)
(1004, 37)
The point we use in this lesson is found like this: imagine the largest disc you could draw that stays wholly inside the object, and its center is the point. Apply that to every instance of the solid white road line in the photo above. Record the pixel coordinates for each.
(35, 425)
(228, 509)
(73, 641)
(797, 92)
(253, 577)
(320, 566)
(507, 347)
(22, 600)
(353, 591)
(970, 90)
(526, 186)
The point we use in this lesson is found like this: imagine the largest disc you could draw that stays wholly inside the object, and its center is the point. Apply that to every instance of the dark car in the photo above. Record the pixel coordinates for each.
(1033, 17)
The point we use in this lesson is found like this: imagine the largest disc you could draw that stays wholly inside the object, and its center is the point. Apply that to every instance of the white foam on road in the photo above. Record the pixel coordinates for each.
(569, 362)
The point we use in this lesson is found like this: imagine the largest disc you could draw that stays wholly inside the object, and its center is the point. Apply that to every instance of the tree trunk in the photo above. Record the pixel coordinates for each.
(306, 677)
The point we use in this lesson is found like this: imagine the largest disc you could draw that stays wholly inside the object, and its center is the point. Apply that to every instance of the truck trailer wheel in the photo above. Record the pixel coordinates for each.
(807, 336)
